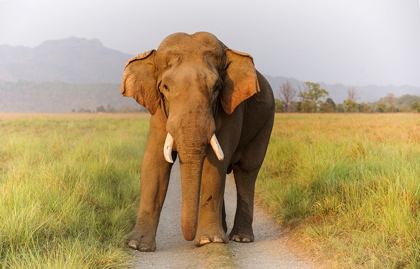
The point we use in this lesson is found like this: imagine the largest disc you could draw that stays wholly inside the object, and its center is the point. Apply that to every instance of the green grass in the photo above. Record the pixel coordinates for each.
(351, 183)
(68, 189)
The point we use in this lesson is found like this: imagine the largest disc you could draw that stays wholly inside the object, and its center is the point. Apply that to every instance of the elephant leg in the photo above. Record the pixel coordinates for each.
(245, 173)
(210, 219)
(245, 186)
(224, 224)
(155, 172)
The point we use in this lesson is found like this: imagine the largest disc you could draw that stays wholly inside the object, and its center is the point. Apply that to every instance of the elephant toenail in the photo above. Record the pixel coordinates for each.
(246, 240)
(218, 239)
(204, 241)
(133, 244)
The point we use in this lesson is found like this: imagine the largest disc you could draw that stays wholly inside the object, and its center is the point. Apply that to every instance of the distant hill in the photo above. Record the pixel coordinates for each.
(73, 60)
(61, 97)
(74, 73)
(338, 92)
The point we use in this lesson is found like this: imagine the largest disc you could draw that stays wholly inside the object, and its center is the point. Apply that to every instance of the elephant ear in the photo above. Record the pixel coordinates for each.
(240, 81)
(139, 81)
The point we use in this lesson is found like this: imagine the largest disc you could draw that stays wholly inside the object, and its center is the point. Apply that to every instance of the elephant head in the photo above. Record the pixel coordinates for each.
(187, 77)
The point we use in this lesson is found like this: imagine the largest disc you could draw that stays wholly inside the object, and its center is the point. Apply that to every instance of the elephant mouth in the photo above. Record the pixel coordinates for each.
(169, 142)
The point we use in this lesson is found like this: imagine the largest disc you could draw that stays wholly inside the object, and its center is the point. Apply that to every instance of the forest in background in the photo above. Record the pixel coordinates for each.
(311, 98)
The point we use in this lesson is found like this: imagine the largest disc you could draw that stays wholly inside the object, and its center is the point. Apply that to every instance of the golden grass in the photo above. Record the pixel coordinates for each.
(69, 188)
(353, 183)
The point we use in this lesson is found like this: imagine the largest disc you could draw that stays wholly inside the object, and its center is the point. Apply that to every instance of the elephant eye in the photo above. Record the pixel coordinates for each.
(163, 86)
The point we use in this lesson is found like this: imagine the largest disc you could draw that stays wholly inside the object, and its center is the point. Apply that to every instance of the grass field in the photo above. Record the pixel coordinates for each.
(69, 187)
(352, 184)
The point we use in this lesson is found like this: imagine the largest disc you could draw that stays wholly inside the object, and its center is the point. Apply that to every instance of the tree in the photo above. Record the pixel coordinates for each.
(82, 110)
(310, 97)
(352, 94)
(110, 109)
(381, 108)
(278, 106)
(293, 106)
(339, 108)
(404, 108)
(287, 93)
(407, 100)
(331, 103)
(299, 106)
(328, 106)
(100, 109)
(390, 99)
(365, 108)
(325, 108)
(391, 109)
(350, 106)
(306, 106)
(415, 107)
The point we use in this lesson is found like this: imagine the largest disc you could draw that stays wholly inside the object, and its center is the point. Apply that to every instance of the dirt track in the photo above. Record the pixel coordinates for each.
(268, 250)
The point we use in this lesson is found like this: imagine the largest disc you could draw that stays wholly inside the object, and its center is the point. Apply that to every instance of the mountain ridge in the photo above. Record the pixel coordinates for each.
(79, 61)
(71, 60)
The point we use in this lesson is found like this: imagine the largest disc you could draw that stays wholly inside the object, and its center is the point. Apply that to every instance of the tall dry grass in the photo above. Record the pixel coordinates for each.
(352, 182)
(69, 189)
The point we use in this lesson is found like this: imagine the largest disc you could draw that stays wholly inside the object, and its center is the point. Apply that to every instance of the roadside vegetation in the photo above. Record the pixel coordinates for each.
(349, 184)
(69, 189)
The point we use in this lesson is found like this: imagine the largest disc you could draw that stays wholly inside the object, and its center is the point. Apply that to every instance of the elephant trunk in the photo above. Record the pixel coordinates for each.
(191, 182)
(192, 134)
(191, 164)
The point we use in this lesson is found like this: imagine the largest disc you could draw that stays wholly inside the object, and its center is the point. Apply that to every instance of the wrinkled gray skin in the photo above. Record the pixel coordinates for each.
(194, 87)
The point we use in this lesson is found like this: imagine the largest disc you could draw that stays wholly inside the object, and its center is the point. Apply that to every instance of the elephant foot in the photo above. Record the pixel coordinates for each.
(243, 237)
(141, 242)
(210, 238)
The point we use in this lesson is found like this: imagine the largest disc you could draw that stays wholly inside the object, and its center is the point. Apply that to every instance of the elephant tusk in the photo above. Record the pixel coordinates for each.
(167, 149)
(216, 147)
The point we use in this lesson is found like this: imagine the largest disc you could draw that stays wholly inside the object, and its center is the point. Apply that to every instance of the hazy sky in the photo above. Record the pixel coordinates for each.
(354, 42)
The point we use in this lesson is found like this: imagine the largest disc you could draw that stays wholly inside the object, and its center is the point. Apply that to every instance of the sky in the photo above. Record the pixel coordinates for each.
(353, 42)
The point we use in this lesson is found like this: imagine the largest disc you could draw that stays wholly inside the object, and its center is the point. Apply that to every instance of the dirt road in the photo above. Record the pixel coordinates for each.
(268, 250)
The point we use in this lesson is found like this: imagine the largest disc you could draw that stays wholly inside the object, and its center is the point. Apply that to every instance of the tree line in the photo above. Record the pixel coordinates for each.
(111, 109)
(311, 98)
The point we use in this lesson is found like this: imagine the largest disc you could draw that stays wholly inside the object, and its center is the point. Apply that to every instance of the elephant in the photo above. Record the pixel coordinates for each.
(214, 111)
